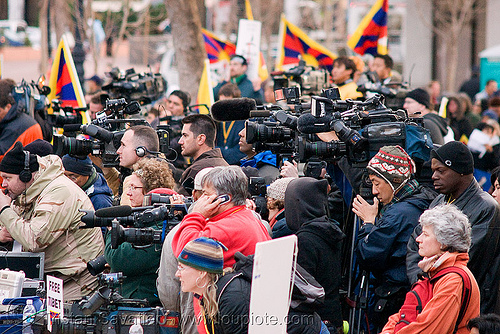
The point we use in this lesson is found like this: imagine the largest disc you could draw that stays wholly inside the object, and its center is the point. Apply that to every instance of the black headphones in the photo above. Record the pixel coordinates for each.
(25, 175)
(142, 150)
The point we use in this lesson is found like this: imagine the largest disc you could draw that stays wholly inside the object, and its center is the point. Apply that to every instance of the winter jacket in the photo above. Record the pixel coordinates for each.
(98, 191)
(138, 265)
(17, 126)
(265, 163)
(212, 158)
(441, 312)
(237, 228)
(437, 126)
(319, 240)
(279, 226)
(46, 219)
(483, 213)
(381, 247)
(230, 148)
(245, 86)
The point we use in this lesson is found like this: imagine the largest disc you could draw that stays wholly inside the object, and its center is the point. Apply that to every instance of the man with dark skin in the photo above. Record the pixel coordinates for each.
(453, 165)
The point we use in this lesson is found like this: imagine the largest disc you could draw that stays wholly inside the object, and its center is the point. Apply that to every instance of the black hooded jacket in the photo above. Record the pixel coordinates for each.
(437, 126)
(319, 240)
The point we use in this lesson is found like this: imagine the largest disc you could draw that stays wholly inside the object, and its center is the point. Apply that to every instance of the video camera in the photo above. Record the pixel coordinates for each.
(310, 80)
(141, 87)
(394, 92)
(31, 97)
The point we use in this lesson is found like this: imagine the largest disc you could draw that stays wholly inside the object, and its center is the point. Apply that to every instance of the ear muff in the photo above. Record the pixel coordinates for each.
(142, 151)
(25, 175)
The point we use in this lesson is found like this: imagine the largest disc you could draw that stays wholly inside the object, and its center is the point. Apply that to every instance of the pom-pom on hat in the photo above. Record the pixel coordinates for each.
(14, 160)
(204, 254)
(392, 164)
(456, 156)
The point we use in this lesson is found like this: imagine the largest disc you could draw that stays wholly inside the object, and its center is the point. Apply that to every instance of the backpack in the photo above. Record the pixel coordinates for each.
(421, 292)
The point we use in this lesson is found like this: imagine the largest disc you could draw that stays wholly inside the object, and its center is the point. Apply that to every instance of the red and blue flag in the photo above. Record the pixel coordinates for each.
(216, 48)
(296, 45)
(371, 35)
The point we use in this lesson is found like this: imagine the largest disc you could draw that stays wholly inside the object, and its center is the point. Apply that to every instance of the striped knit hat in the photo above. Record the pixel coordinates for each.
(392, 164)
(203, 254)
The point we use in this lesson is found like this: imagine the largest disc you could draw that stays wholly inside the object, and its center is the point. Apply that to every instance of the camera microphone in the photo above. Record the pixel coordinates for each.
(233, 109)
(307, 123)
(114, 211)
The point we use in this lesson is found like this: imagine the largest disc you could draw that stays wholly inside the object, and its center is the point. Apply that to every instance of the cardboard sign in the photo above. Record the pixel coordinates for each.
(249, 45)
(54, 300)
(273, 273)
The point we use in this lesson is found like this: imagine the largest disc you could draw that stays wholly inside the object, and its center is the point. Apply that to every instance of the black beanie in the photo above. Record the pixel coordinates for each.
(421, 96)
(78, 166)
(456, 156)
(39, 147)
(13, 161)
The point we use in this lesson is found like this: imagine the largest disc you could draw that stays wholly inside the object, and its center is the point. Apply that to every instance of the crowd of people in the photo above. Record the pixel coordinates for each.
(441, 234)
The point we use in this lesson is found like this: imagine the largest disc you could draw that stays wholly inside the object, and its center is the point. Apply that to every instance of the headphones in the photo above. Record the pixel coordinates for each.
(142, 150)
(25, 175)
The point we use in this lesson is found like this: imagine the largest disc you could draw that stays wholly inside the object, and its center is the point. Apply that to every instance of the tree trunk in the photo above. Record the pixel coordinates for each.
(452, 63)
(188, 43)
(42, 19)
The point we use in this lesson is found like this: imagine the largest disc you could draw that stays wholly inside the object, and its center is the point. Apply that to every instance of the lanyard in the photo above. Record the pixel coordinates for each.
(226, 132)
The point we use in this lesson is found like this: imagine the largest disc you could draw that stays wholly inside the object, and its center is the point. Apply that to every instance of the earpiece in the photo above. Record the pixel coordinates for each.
(141, 151)
(25, 175)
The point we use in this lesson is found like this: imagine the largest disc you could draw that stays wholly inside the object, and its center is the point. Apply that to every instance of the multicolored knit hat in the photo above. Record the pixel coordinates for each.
(203, 254)
(392, 164)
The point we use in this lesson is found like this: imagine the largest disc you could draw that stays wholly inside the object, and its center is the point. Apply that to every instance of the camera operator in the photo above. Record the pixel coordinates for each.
(44, 217)
(137, 143)
(197, 142)
(384, 233)
(342, 75)
(264, 161)
(220, 213)
(383, 66)
(139, 265)
(417, 104)
(14, 124)
(97, 103)
(84, 174)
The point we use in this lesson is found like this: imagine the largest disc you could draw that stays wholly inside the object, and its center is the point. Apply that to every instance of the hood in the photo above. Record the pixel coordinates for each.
(439, 121)
(50, 168)
(11, 114)
(324, 228)
(305, 200)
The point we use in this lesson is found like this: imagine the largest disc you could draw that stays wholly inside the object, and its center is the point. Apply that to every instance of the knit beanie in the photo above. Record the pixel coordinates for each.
(392, 164)
(40, 147)
(421, 96)
(204, 254)
(456, 156)
(277, 188)
(77, 165)
(13, 161)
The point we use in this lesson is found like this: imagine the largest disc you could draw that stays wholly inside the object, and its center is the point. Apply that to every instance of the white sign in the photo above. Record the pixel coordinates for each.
(248, 45)
(54, 300)
(272, 281)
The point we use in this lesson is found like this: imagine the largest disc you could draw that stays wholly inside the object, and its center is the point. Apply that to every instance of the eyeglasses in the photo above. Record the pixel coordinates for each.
(134, 187)
(180, 268)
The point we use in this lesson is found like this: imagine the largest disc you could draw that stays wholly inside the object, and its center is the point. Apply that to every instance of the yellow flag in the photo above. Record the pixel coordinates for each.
(205, 90)
(248, 9)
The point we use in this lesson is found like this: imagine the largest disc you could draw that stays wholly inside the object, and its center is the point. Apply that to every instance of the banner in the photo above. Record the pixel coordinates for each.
(205, 90)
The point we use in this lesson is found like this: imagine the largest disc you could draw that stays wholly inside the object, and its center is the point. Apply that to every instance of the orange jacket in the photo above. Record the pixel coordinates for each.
(441, 312)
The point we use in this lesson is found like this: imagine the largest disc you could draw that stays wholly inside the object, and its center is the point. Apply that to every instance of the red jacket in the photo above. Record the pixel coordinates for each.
(236, 228)
(441, 312)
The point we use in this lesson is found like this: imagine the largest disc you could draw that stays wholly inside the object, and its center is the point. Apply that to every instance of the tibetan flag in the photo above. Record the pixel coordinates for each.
(371, 34)
(63, 82)
(295, 43)
(205, 90)
(216, 48)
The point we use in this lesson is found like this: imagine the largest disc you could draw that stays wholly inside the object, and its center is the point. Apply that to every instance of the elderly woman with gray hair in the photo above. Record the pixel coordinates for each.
(444, 243)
